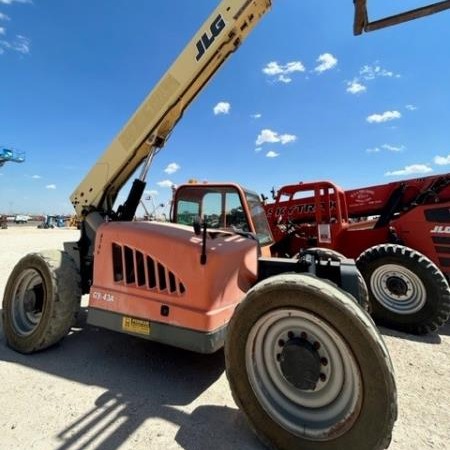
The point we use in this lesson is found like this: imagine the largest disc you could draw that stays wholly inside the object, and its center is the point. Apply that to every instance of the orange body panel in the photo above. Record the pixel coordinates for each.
(141, 267)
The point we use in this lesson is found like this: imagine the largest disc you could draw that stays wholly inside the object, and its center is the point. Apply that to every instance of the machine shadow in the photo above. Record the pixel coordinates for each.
(431, 338)
(143, 380)
(445, 330)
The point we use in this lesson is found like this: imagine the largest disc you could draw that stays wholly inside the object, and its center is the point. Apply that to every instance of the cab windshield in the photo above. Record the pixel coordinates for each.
(222, 208)
(259, 219)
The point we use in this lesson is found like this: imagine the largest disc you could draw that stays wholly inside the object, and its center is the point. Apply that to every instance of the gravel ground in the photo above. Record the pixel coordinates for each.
(102, 390)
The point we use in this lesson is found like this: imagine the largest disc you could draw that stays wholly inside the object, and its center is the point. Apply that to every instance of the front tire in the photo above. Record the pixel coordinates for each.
(309, 368)
(41, 300)
(407, 290)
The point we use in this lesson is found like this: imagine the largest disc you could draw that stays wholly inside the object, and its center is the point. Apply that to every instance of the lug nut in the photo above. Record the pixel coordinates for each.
(281, 343)
(324, 361)
(291, 335)
(316, 345)
(304, 336)
(323, 377)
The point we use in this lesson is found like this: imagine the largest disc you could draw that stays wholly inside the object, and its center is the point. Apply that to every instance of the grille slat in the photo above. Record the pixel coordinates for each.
(151, 273)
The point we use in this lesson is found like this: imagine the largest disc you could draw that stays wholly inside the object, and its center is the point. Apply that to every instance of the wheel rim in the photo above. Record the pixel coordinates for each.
(398, 289)
(28, 302)
(322, 413)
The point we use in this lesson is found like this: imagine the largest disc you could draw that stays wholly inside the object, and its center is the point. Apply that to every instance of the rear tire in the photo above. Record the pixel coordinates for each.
(407, 291)
(351, 404)
(41, 300)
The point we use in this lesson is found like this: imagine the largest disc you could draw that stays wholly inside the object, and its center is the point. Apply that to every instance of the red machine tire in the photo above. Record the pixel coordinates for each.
(407, 291)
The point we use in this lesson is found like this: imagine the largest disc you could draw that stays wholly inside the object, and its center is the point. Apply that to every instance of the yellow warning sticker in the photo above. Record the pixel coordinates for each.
(136, 325)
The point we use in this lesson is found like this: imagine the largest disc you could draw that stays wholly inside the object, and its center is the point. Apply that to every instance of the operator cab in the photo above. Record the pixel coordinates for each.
(227, 207)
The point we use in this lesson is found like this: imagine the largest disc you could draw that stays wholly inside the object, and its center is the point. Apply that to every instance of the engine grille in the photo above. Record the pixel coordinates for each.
(132, 267)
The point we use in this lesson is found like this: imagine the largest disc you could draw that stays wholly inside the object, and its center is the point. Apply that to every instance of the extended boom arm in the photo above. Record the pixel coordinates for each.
(151, 124)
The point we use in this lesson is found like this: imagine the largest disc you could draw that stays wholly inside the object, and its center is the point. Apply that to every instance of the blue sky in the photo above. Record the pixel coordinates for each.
(302, 99)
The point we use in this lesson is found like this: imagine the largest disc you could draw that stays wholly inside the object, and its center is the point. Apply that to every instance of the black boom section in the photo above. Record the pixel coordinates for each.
(126, 212)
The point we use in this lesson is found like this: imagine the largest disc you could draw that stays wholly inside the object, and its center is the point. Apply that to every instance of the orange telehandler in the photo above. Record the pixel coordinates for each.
(304, 361)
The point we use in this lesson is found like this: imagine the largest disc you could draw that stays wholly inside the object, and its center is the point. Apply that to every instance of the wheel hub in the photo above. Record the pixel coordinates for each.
(300, 364)
(398, 289)
(29, 301)
(397, 286)
(303, 373)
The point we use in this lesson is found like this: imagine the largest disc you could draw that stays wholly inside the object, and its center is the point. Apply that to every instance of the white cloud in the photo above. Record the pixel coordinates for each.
(10, 2)
(172, 168)
(256, 116)
(355, 87)
(388, 147)
(284, 79)
(413, 169)
(394, 148)
(411, 107)
(50, 186)
(282, 72)
(272, 137)
(442, 160)
(222, 108)
(384, 117)
(166, 183)
(36, 177)
(294, 66)
(326, 62)
(272, 154)
(20, 44)
(267, 136)
(370, 72)
(273, 68)
(258, 149)
(287, 138)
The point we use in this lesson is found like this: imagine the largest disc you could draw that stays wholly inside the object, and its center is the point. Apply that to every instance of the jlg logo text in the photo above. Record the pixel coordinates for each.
(441, 229)
(206, 41)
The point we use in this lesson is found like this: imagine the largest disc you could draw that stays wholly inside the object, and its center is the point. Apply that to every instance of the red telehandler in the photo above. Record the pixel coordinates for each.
(399, 233)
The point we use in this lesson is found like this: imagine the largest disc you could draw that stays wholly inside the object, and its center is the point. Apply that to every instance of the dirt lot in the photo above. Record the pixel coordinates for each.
(101, 390)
